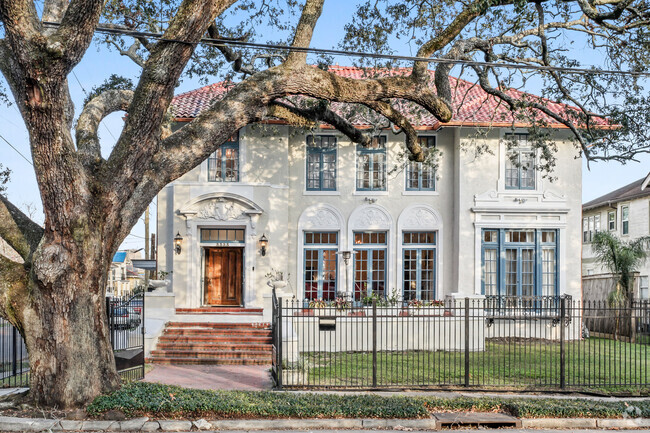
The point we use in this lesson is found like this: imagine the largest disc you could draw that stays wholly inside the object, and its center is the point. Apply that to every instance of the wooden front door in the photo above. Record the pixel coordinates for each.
(223, 276)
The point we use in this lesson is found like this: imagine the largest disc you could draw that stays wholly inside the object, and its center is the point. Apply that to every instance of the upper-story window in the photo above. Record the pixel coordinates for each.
(223, 164)
(321, 163)
(371, 165)
(590, 225)
(625, 219)
(611, 220)
(520, 162)
(419, 176)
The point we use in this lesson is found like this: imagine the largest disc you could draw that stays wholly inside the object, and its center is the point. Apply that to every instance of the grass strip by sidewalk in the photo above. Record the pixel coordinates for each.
(151, 399)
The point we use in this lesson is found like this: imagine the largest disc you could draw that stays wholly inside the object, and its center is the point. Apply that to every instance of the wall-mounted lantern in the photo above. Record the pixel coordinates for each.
(264, 242)
(178, 241)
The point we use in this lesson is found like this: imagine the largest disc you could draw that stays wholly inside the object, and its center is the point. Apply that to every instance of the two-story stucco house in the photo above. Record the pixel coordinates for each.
(278, 198)
(625, 212)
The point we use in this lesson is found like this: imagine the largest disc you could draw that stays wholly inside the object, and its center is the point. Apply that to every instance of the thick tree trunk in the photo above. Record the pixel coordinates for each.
(66, 332)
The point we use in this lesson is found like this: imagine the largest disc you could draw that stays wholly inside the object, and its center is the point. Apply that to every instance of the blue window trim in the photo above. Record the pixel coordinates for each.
(313, 150)
(411, 165)
(370, 270)
(212, 159)
(320, 271)
(537, 246)
(418, 271)
(519, 168)
(361, 150)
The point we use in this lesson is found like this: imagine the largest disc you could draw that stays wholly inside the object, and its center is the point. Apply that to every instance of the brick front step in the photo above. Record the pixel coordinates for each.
(213, 346)
(213, 339)
(220, 310)
(220, 326)
(213, 361)
(239, 354)
(225, 332)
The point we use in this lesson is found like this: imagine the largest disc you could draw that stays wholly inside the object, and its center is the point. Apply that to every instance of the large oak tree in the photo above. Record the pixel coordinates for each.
(56, 296)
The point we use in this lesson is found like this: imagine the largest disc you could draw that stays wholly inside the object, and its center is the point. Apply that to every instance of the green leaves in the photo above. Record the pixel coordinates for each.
(172, 401)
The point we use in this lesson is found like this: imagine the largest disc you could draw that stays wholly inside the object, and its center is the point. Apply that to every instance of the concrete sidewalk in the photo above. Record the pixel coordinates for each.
(225, 377)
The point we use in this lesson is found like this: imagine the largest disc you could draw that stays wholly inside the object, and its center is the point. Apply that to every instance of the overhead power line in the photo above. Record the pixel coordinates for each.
(438, 60)
(17, 151)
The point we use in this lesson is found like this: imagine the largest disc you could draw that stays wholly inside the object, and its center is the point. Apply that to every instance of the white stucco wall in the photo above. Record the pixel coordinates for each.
(469, 195)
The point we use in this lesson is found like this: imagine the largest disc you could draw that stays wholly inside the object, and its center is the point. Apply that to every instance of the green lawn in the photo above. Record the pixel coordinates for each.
(596, 363)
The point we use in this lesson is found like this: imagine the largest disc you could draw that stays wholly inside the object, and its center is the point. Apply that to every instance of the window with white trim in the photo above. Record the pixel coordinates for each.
(371, 165)
(611, 220)
(419, 266)
(369, 264)
(625, 220)
(320, 264)
(419, 176)
(643, 287)
(520, 162)
(519, 262)
(223, 164)
(321, 163)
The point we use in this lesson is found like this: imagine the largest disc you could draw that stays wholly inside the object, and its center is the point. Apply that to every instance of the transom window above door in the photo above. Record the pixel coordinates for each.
(223, 164)
(321, 163)
(222, 235)
(371, 165)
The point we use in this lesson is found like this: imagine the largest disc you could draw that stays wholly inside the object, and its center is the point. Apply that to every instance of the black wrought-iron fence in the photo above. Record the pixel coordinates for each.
(126, 324)
(541, 343)
(13, 355)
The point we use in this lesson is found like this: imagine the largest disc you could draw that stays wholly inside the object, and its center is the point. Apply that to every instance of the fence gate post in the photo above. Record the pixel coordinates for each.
(15, 351)
(562, 353)
(374, 343)
(467, 342)
(279, 343)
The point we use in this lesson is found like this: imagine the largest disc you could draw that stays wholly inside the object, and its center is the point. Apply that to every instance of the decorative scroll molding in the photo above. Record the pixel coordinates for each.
(321, 217)
(370, 217)
(419, 217)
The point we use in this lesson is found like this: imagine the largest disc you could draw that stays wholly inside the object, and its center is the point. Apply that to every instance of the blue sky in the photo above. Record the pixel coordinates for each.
(98, 64)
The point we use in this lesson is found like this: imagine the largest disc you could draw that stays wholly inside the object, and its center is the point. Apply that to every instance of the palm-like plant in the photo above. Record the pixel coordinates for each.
(621, 258)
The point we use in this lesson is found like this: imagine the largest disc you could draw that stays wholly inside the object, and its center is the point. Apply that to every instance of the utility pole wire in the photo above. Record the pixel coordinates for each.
(254, 45)
(17, 151)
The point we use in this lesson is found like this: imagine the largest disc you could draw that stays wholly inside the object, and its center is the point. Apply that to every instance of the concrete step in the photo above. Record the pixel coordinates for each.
(240, 354)
(213, 361)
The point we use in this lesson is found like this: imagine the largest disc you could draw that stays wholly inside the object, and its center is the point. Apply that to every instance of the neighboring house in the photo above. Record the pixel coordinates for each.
(123, 278)
(625, 212)
(480, 224)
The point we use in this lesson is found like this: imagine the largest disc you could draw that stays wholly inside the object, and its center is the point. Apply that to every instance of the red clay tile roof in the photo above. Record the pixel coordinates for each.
(472, 105)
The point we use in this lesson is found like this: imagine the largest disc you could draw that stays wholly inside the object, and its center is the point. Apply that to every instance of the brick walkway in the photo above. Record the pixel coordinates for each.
(241, 377)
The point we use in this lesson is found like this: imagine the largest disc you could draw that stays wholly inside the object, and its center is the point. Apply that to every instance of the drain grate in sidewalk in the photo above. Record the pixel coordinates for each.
(474, 419)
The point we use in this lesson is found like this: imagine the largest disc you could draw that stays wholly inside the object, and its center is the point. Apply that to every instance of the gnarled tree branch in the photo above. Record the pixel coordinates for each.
(320, 113)
(18, 230)
(304, 31)
(389, 112)
(93, 113)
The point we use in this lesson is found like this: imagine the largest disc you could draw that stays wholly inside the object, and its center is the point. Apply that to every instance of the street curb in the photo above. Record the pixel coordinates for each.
(15, 424)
